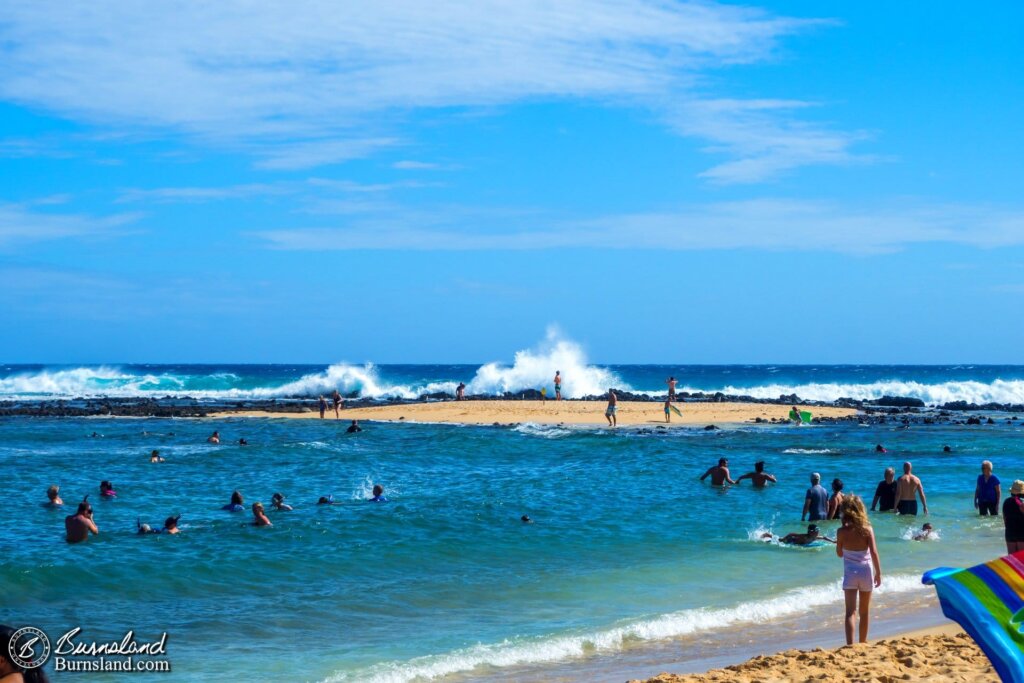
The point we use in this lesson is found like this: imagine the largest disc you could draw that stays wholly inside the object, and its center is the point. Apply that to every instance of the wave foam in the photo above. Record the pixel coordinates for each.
(525, 651)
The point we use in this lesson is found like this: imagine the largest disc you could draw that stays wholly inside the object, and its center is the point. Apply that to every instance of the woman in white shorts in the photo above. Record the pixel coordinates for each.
(862, 570)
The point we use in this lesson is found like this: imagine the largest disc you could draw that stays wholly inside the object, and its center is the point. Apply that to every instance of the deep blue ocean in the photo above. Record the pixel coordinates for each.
(631, 563)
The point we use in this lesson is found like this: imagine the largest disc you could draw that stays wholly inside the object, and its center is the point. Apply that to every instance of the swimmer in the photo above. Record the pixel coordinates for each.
(155, 457)
(53, 497)
(79, 525)
(354, 427)
(144, 529)
(214, 438)
(378, 494)
(947, 449)
(926, 533)
(525, 519)
(813, 534)
(277, 502)
(236, 504)
(94, 435)
(171, 525)
(879, 448)
(326, 500)
(759, 478)
(107, 489)
(719, 474)
(259, 516)
(243, 442)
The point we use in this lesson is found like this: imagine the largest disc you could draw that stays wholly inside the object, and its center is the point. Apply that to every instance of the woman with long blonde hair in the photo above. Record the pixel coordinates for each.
(862, 569)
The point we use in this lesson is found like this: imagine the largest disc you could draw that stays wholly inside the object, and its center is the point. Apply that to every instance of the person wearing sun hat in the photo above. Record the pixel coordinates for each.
(1013, 518)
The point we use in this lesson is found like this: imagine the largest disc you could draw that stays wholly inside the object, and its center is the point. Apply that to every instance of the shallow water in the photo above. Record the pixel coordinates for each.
(628, 548)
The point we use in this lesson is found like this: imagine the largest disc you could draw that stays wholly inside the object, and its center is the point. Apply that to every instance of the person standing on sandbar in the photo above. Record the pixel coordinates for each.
(613, 408)
(336, 399)
(908, 487)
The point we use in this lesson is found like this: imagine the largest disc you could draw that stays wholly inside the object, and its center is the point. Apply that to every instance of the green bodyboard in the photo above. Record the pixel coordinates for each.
(805, 416)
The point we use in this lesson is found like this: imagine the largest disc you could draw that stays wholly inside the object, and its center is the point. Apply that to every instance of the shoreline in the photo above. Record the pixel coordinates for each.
(942, 652)
(567, 412)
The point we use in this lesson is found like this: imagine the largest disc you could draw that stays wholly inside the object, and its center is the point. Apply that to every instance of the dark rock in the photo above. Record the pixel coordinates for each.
(898, 401)
(710, 428)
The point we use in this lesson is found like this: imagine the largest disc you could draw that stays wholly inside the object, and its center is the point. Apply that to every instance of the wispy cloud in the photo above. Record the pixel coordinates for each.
(21, 224)
(411, 165)
(201, 194)
(321, 82)
(774, 225)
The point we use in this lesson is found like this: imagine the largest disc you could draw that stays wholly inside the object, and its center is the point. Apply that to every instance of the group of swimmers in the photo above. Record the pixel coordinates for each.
(79, 525)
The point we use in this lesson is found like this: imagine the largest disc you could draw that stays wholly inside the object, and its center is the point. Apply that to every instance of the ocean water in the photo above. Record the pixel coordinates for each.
(630, 558)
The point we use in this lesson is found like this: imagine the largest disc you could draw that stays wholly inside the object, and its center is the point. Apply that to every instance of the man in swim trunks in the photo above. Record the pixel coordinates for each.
(759, 478)
(613, 408)
(885, 492)
(908, 487)
(815, 500)
(671, 382)
(719, 474)
(337, 400)
(558, 385)
(79, 525)
(668, 410)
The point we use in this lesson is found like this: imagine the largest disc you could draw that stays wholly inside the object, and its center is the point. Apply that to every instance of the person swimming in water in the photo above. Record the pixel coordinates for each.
(925, 534)
(144, 529)
(326, 500)
(525, 519)
(171, 525)
(79, 525)
(259, 516)
(277, 502)
(107, 489)
(378, 494)
(813, 534)
(214, 438)
(719, 474)
(354, 427)
(759, 478)
(243, 442)
(236, 504)
(155, 457)
(879, 448)
(53, 497)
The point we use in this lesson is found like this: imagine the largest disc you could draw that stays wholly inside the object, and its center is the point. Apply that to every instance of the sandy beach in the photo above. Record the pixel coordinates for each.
(558, 412)
(943, 653)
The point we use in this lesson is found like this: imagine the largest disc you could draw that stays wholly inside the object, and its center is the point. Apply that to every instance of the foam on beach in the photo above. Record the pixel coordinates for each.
(526, 651)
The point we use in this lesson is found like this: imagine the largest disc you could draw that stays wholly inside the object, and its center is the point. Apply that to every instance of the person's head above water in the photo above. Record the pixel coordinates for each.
(947, 449)
(53, 492)
(171, 522)
(526, 519)
(812, 530)
(927, 526)
(378, 490)
(325, 500)
(815, 478)
(837, 484)
(879, 448)
(236, 498)
(759, 466)
(277, 498)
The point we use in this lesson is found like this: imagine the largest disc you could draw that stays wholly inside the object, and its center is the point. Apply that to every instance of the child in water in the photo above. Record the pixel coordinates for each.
(107, 489)
(277, 502)
(926, 533)
(378, 494)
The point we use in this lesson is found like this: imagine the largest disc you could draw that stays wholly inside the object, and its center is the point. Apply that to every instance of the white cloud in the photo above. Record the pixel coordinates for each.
(411, 165)
(316, 82)
(777, 225)
(19, 224)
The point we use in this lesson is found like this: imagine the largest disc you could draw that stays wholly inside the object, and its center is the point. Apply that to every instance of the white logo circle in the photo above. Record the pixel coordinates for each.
(29, 648)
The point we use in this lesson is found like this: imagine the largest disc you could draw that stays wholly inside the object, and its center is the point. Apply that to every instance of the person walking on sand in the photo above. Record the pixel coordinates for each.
(613, 408)
(759, 478)
(671, 382)
(323, 406)
(987, 492)
(558, 385)
(908, 487)
(79, 525)
(460, 391)
(1013, 518)
(836, 501)
(885, 492)
(862, 568)
(719, 474)
(815, 500)
(337, 400)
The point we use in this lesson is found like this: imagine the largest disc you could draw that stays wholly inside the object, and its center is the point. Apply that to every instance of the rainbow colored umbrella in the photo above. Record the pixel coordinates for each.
(988, 601)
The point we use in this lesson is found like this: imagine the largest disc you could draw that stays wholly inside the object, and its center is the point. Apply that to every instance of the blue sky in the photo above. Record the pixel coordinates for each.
(665, 181)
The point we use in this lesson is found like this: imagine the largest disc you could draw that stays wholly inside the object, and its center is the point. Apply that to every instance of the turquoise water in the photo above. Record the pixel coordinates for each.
(627, 550)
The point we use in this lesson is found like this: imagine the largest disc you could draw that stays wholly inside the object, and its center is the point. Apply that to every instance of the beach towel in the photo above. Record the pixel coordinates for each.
(988, 602)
